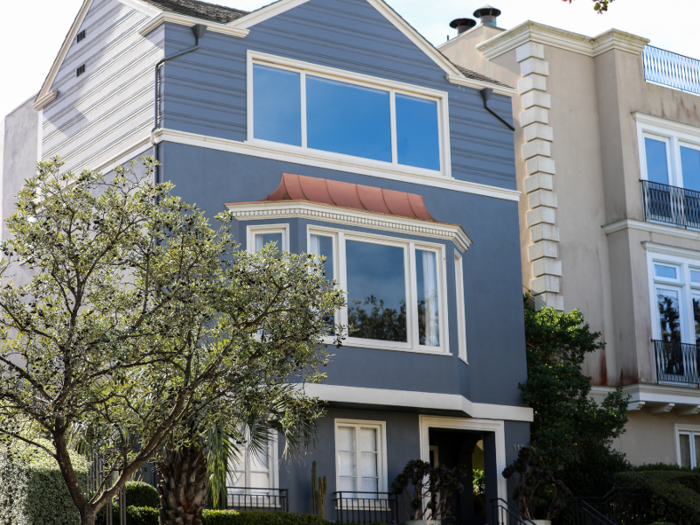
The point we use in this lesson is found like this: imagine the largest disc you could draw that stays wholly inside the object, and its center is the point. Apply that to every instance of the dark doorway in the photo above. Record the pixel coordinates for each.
(472, 450)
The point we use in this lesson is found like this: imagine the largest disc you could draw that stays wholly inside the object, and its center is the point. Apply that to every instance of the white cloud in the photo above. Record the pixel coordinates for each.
(37, 29)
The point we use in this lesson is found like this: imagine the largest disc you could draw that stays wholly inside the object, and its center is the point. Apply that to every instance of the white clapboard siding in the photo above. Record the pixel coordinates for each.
(109, 108)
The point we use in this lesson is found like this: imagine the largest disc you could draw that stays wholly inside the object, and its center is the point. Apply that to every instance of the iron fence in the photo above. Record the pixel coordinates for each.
(505, 514)
(676, 362)
(671, 204)
(252, 498)
(365, 507)
(671, 69)
(620, 506)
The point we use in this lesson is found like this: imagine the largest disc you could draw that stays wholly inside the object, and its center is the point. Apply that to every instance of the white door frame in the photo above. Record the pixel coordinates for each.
(482, 425)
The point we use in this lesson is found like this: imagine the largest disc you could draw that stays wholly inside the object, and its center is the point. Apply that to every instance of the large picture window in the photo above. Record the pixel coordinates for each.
(395, 289)
(340, 115)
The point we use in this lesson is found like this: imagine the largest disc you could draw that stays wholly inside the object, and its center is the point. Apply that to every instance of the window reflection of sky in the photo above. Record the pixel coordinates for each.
(657, 165)
(417, 133)
(349, 119)
(277, 105)
(690, 162)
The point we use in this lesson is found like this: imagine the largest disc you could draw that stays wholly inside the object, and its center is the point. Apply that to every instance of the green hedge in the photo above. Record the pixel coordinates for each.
(674, 494)
(140, 494)
(32, 489)
(149, 516)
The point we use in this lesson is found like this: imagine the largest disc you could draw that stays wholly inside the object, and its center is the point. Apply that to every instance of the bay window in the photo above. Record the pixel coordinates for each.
(338, 112)
(260, 236)
(395, 289)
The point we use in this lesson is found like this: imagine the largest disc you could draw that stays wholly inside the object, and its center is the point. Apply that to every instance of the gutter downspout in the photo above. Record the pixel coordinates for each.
(486, 95)
(198, 31)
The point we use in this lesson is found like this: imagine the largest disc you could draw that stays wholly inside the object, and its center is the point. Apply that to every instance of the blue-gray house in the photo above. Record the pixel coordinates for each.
(333, 127)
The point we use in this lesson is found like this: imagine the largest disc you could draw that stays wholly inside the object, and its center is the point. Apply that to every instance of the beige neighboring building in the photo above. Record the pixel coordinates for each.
(607, 147)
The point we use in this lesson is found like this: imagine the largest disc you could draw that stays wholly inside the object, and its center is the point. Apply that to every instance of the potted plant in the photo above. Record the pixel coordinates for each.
(540, 496)
(429, 499)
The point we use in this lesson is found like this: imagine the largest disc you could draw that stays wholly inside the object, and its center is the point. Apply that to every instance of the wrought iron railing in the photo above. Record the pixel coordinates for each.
(505, 514)
(250, 498)
(365, 507)
(671, 69)
(671, 204)
(676, 362)
(620, 506)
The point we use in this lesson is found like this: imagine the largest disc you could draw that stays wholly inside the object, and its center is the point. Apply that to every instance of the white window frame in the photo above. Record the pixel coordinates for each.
(382, 467)
(253, 230)
(393, 87)
(273, 465)
(682, 284)
(409, 246)
(674, 134)
(461, 308)
(681, 428)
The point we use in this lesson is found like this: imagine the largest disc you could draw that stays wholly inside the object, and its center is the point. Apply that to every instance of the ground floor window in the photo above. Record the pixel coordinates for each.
(360, 449)
(688, 442)
(254, 472)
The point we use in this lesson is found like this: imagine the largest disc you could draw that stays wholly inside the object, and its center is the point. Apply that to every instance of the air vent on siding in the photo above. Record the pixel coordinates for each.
(80, 70)
(81, 35)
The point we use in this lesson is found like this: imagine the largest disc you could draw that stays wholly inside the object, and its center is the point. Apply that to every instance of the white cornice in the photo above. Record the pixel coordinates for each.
(665, 249)
(190, 21)
(650, 227)
(41, 103)
(333, 162)
(530, 31)
(250, 211)
(645, 394)
(143, 7)
(419, 400)
(461, 80)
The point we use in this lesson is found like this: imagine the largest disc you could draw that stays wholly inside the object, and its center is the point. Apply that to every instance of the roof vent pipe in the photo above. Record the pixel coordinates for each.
(488, 15)
(462, 24)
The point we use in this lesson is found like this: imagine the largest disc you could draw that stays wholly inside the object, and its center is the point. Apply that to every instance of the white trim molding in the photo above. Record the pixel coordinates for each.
(41, 103)
(190, 21)
(650, 227)
(497, 427)
(665, 125)
(685, 400)
(530, 31)
(419, 400)
(343, 163)
(254, 211)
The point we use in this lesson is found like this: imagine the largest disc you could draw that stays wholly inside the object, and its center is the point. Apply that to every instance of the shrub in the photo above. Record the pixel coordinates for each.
(257, 517)
(674, 494)
(32, 489)
(140, 494)
(137, 515)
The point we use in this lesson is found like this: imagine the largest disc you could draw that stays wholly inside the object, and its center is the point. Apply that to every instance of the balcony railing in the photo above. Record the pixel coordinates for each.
(365, 507)
(671, 69)
(249, 498)
(676, 362)
(671, 204)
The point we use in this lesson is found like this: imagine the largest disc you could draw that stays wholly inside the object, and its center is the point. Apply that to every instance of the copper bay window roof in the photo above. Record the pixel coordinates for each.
(353, 196)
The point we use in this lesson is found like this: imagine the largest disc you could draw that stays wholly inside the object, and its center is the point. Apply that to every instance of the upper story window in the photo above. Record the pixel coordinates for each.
(395, 289)
(326, 111)
(670, 153)
(259, 236)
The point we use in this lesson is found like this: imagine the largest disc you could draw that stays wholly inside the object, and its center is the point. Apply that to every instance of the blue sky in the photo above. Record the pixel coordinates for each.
(35, 29)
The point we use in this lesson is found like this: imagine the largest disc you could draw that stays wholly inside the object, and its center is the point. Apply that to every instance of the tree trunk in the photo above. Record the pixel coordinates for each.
(183, 486)
(87, 515)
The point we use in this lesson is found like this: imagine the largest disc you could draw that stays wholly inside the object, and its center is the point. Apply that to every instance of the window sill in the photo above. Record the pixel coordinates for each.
(346, 161)
(372, 344)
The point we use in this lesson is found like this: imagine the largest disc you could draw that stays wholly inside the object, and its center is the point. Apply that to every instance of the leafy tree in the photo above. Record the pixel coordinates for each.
(136, 318)
(570, 430)
(599, 5)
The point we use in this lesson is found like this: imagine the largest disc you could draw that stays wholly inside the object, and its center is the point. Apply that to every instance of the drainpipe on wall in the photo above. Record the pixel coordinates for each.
(486, 95)
(198, 31)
